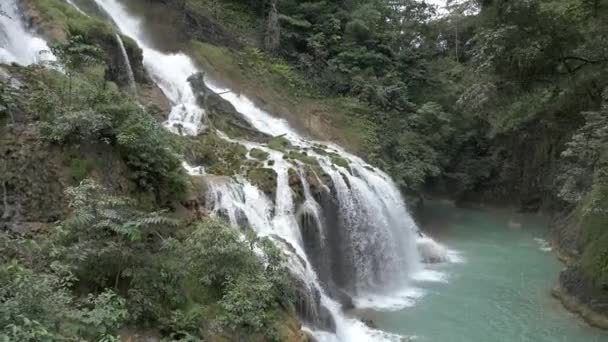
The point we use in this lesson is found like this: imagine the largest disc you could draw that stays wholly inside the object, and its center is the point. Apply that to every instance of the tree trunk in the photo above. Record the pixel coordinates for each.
(272, 38)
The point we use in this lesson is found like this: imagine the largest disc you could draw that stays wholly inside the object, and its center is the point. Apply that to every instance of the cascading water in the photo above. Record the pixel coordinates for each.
(17, 45)
(169, 71)
(127, 64)
(358, 222)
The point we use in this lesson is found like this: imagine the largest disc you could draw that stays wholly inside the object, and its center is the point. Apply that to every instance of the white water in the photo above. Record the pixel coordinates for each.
(17, 44)
(126, 63)
(381, 235)
(169, 71)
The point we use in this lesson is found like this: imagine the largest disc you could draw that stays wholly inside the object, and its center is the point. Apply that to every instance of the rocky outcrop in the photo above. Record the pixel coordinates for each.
(222, 113)
(30, 181)
(577, 294)
(309, 307)
(31, 188)
(56, 21)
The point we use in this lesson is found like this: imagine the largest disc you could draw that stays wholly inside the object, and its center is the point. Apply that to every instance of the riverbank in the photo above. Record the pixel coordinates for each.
(574, 305)
(498, 290)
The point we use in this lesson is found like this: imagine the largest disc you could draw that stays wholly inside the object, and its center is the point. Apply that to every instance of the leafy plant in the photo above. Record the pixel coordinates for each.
(74, 55)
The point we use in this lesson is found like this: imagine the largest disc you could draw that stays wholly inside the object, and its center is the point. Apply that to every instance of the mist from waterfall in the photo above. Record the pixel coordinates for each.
(358, 223)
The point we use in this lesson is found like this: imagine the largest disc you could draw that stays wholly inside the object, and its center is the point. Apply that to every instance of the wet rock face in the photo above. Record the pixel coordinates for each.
(265, 179)
(31, 194)
(296, 186)
(575, 283)
(326, 251)
(314, 244)
(310, 338)
(342, 271)
(309, 307)
(341, 297)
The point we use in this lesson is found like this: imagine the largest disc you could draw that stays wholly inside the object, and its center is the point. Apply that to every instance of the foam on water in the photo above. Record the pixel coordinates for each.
(193, 170)
(390, 301)
(543, 245)
(428, 275)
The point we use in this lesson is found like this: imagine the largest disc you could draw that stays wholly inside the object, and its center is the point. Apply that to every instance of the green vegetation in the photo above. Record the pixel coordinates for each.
(219, 156)
(263, 178)
(115, 256)
(81, 168)
(286, 90)
(232, 14)
(94, 111)
(61, 20)
(279, 143)
(110, 264)
(258, 154)
(499, 101)
(495, 101)
(339, 161)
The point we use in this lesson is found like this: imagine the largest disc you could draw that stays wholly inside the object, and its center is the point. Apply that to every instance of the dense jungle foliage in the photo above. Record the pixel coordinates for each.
(499, 101)
(121, 257)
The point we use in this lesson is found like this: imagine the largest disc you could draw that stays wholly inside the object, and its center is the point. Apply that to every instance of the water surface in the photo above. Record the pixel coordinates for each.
(499, 292)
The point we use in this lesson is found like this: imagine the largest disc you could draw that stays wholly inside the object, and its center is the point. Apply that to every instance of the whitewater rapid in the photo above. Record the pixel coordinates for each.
(379, 234)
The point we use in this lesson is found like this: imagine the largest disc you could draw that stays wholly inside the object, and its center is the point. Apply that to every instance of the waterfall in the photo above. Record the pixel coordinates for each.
(351, 240)
(17, 44)
(169, 71)
(127, 64)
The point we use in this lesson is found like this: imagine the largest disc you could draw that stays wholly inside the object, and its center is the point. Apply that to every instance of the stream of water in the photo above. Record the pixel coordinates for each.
(354, 235)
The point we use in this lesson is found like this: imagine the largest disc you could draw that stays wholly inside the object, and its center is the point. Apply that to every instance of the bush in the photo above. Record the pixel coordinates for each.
(192, 282)
(39, 307)
(224, 266)
(99, 113)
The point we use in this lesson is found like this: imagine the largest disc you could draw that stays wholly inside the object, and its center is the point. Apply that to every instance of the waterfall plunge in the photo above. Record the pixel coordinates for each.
(379, 234)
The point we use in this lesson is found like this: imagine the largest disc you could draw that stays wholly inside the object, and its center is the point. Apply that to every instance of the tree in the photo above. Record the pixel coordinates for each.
(105, 236)
(73, 55)
(40, 307)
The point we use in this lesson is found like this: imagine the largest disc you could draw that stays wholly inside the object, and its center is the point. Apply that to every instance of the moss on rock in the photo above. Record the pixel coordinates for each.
(220, 157)
(303, 157)
(57, 20)
(295, 183)
(258, 154)
(265, 179)
(279, 143)
(339, 161)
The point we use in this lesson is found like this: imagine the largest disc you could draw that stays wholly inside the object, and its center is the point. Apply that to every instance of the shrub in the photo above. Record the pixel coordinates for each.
(38, 307)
